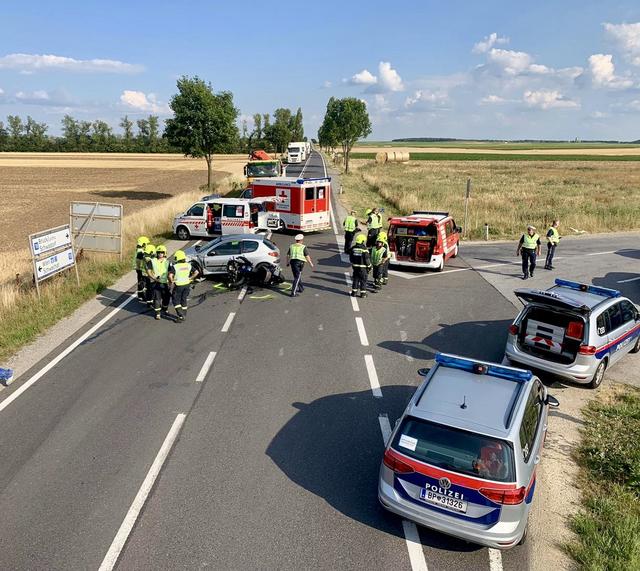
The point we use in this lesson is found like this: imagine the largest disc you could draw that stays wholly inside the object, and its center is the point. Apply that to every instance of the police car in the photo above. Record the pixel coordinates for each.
(573, 330)
(462, 458)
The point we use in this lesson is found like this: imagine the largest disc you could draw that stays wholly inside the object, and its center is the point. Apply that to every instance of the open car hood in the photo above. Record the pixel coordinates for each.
(551, 299)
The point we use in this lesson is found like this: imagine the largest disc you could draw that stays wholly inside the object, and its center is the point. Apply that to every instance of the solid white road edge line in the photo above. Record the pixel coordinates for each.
(354, 301)
(495, 560)
(324, 165)
(227, 323)
(373, 376)
(242, 293)
(361, 332)
(411, 535)
(51, 364)
(629, 280)
(111, 558)
(305, 165)
(205, 367)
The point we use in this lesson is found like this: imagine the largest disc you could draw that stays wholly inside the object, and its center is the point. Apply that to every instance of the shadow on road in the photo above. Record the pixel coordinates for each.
(333, 447)
(630, 289)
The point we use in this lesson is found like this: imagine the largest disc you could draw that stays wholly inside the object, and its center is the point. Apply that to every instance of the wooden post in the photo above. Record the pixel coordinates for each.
(466, 209)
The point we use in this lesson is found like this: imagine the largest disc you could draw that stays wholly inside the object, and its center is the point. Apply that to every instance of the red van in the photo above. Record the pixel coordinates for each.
(423, 239)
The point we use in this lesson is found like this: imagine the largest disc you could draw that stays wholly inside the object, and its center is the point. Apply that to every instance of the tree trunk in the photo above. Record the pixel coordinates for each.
(346, 150)
(209, 161)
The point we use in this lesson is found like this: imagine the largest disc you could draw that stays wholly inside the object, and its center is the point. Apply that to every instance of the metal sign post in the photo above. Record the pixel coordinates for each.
(465, 230)
(52, 253)
(97, 226)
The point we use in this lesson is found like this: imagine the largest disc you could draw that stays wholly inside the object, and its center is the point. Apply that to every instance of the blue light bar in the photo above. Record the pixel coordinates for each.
(469, 365)
(322, 178)
(596, 290)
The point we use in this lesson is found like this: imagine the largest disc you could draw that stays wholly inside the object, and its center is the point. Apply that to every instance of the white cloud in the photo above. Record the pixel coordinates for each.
(634, 105)
(364, 77)
(34, 96)
(548, 99)
(493, 100)
(143, 102)
(627, 38)
(426, 100)
(509, 61)
(390, 80)
(602, 73)
(327, 84)
(36, 62)
(488, 42)
(381, 104)
(1, 91)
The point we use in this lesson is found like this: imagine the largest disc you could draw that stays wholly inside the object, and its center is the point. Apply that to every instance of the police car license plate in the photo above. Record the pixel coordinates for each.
(443, 501)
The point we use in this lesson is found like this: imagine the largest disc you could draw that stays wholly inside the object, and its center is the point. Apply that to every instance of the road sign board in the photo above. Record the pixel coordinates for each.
(97, 226)
(50, 265)
(50, 240)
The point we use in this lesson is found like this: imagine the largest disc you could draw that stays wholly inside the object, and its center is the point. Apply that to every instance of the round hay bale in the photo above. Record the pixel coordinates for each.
(381, 157)
(391, 156)
(405, 157)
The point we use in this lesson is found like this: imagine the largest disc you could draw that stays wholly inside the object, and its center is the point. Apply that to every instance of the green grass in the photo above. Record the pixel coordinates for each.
(496, 146)
(503, 157)
(608, 526)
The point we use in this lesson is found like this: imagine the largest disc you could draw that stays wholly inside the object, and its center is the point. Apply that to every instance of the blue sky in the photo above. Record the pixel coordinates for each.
(440, 69)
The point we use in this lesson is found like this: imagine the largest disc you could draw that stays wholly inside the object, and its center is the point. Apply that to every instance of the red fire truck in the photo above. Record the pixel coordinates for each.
(303, 204)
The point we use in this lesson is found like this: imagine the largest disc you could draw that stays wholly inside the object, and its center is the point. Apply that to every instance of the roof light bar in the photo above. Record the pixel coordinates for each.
(482, 368)
(596, 290)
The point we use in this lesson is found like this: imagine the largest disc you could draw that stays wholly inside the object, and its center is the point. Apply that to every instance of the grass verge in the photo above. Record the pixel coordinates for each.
(587, 196)
(504, 157)
(608, 526)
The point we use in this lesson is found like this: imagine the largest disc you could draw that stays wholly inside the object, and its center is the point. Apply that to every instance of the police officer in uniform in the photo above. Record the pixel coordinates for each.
(181, 273)
(140, 266)
(296, 258)
(379, 256)
(384, 277)
(360, 264)
(350, 225)
(529, 248)
(158, 271)
(553, 239)
(149, 254)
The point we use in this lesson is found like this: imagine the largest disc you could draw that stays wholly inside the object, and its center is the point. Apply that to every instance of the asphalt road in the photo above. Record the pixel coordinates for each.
(277, 443)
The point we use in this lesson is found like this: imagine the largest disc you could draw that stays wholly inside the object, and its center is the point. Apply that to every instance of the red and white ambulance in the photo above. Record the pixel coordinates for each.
(304, 204)
(423, 239)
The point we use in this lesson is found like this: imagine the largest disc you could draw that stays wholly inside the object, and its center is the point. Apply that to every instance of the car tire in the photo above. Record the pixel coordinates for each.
(282, 227)
(636, 347)
(182, 232)
(441, 266)
(598, 376)
(455, 252)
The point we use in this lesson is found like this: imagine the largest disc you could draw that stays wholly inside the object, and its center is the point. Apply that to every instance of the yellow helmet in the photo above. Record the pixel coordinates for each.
(179, 256)
(142, 241)
(150, 249)
(383, 236)
(368, 211)
(361, 239)
(161, 249)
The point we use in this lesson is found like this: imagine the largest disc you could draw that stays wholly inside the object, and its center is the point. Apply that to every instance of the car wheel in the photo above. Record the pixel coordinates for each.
(598, 376)
(441, 266)
(636, 347)
(455, 252)
(182, 232)
(282, 227)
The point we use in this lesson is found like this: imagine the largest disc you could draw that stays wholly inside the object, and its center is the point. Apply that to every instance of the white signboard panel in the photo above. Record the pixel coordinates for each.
(283, 196)
(50, 265)
(96, 209)
(97, 227)
(50, 240)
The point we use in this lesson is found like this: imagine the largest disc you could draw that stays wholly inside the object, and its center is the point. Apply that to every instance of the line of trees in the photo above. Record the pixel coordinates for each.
(274, 136)
(143, 136)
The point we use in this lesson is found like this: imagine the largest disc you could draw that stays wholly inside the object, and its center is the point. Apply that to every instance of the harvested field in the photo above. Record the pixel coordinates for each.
(514, 149)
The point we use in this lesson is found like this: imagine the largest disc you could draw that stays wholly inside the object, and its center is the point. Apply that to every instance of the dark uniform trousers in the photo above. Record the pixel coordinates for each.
(296, 268)
(348, 240)
(141, 284)
(528, 261)
(372, 235)
(551, 250)
(161, 296)
(359, 279)
(181, 299)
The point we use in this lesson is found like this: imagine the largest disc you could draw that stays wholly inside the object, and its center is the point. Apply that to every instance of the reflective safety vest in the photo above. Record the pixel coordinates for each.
(160, 269)
(377, 255)
(375, 221)
(530, 242)
(359, 257)
(555, 236)
(296, 252)
(182, 272)
(350, 223)
(138, 259)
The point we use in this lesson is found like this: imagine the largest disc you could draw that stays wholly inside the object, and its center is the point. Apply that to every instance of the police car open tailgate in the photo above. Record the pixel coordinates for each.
(551, 299)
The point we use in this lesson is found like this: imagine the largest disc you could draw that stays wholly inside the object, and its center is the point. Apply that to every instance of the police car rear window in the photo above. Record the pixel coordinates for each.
(455, 450)
(269, 244)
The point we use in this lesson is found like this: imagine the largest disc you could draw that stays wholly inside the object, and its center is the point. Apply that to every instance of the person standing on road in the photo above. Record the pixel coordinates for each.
(360, 264)
(158, 271)
(379, 256)
(350, 225)
(384, 277)
(296, 258)
(149, 254)
(529, 249)
(140, 267)
(374, 224)
(553, 239)
(180, 275)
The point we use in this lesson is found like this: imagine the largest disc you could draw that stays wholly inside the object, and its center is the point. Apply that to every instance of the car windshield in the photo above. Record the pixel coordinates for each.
(294, 149)
(455, 450)
(265, 169)
(269, 244)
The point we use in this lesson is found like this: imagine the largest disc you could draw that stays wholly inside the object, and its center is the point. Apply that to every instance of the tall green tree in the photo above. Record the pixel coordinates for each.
(127, 135)
(346, 120)
(257, 127)
(279, 132)
(204, 122)
(154, 123)
(35, 134)
(71, 133)
(297, 129)
(4, 138)
(101, 136)
(16, 131)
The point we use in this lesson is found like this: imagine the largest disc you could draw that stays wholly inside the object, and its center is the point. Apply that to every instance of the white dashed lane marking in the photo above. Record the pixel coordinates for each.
(205, 367)
(373, 376)
(361, 332)
(227, 323)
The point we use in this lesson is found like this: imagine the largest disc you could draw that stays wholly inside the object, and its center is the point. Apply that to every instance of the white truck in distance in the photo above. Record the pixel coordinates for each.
(297, 152)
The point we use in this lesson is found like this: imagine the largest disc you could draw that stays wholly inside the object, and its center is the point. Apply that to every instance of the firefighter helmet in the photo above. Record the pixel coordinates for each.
(142, 241)
(361, 239)
(179, 256)
(383, 236)
(161, 249)
(150, 249)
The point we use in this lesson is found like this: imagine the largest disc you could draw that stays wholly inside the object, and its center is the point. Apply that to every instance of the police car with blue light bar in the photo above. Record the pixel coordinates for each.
(573, 330)
(462, 459)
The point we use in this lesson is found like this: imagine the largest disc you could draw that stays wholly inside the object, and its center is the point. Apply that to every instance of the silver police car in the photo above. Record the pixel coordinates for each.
(462, 458)
(573, 330)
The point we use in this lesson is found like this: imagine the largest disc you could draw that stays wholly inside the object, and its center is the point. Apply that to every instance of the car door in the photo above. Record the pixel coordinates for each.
(630, 322)
(216, 259)
(250, 250)
(621, 322)
(532, 429)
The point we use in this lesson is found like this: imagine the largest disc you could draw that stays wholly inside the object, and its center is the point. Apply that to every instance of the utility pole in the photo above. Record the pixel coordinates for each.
(465, 230)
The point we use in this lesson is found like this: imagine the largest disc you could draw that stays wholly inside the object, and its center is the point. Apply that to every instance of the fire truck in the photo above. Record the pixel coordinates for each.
(303, 204)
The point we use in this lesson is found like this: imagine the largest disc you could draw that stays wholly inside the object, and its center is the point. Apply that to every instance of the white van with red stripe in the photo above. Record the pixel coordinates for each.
(303, 204)
(211, 217)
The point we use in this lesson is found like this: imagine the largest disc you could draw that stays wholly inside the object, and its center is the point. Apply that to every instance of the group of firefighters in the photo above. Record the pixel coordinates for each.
(160, 280)
(367, 253)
